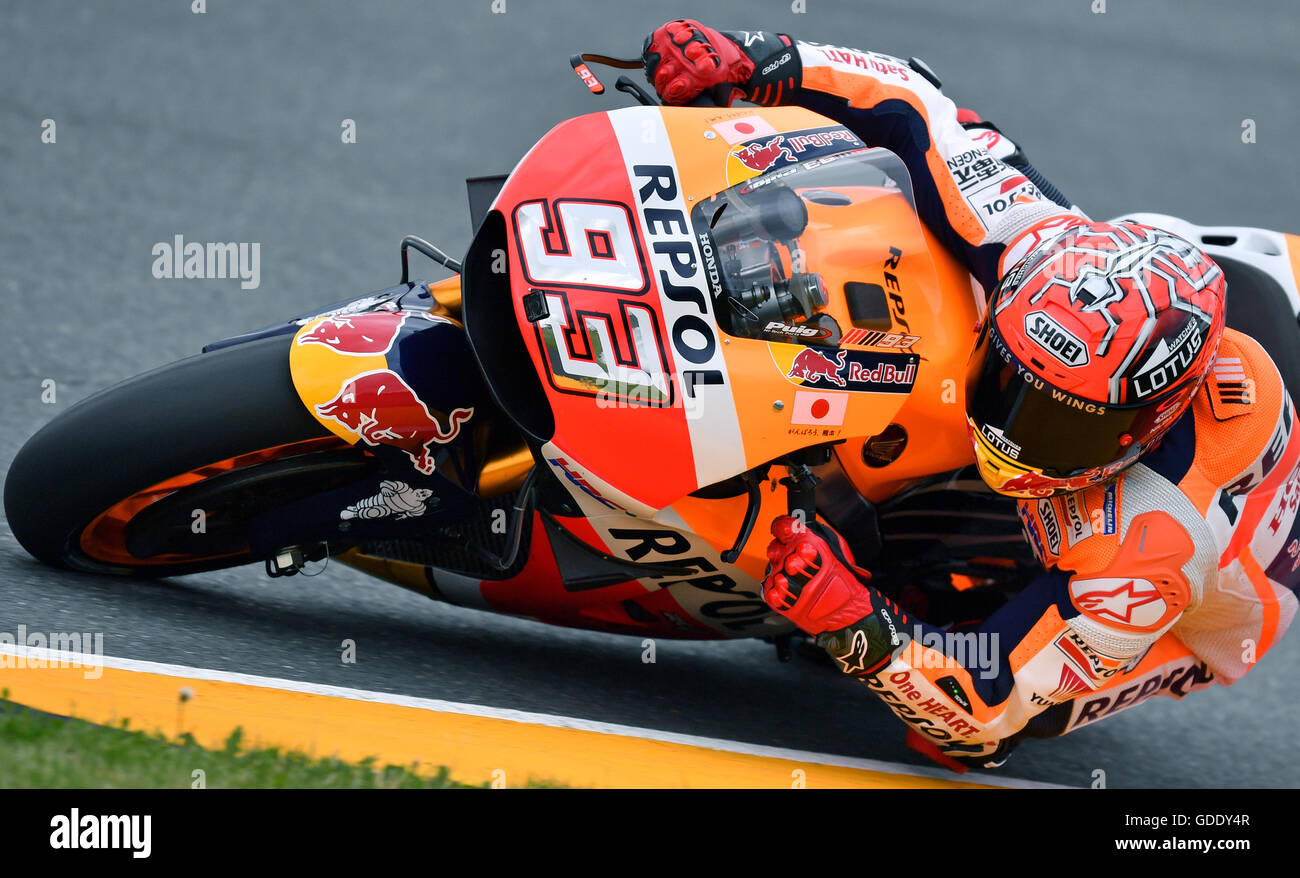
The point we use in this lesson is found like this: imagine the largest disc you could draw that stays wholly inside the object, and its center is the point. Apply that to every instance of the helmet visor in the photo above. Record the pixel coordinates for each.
(1036, 426)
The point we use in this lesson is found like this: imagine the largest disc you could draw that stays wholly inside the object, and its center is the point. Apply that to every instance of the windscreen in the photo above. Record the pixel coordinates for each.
(763, 241)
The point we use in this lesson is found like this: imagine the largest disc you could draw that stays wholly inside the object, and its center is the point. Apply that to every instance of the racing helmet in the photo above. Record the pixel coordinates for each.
(1093, 346)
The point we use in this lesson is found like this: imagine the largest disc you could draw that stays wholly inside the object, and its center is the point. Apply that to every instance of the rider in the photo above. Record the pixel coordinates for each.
(1151, 448)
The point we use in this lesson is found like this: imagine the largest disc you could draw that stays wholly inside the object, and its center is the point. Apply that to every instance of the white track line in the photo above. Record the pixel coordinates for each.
(50, 656)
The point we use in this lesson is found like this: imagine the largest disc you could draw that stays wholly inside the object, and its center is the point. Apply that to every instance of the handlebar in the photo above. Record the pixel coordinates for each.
(715, 97)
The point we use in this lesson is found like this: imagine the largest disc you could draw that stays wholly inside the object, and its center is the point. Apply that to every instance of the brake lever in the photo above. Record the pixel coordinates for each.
(580, 66)
(643, 97)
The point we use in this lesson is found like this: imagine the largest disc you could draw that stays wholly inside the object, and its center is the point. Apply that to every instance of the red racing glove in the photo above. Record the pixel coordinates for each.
(684, 58)
(812, 580)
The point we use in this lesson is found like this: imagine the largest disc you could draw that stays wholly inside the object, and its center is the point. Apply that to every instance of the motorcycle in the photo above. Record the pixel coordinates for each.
(672, 323)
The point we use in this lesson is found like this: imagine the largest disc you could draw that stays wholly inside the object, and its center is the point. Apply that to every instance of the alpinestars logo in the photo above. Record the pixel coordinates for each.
(1056, 339)
(855, 660)
(1134, 602)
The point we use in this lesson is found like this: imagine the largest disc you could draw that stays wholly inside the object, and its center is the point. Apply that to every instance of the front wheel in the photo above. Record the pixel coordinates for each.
(162, 474)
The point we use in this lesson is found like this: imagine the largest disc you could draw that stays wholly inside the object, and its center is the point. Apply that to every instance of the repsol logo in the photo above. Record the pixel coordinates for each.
(1056, 339)
(718, 597)
(896, 307)
(694, 338)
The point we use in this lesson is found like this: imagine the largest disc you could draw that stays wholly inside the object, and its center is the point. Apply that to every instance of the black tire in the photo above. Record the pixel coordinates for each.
(1259, 307)
(146, 430)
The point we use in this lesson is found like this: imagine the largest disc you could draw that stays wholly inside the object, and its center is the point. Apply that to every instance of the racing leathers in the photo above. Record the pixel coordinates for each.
(1177, 574)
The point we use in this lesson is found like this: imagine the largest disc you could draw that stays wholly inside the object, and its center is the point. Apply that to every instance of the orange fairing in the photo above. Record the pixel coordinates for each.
(627, 306)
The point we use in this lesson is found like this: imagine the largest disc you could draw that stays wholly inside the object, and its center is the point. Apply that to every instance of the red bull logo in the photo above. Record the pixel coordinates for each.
(882, 373)
(761, 156)
(358, 335)
(362, 335)
(812, 366)
(381, 408)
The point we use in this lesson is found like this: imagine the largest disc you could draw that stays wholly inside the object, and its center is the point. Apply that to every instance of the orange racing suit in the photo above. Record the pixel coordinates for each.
(1179, 573)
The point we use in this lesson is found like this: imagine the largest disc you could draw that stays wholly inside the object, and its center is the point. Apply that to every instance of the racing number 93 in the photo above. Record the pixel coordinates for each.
(584, 257)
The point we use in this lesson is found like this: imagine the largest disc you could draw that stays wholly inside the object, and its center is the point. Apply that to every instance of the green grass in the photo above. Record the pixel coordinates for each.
(41, 750)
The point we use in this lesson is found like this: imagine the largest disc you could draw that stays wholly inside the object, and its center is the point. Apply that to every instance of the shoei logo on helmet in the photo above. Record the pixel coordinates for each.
(1056, 339)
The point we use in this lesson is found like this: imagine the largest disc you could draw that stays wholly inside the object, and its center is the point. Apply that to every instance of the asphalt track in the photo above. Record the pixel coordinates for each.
(225, 126)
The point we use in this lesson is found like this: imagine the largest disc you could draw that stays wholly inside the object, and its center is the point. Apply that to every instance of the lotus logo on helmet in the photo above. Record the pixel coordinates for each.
(1056, 339)
(999, 441)
(1167, 362)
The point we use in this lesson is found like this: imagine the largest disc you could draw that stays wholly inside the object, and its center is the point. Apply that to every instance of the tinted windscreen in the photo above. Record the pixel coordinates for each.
(754, 238)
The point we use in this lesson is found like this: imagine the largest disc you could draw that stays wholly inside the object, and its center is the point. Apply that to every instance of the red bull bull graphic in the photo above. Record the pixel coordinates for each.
(811, 366)
(759, 156)
(382, 409)
(362, 335)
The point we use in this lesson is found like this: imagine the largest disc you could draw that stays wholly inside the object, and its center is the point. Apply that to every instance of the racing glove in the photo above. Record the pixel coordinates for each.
(684, 59)
(811, 578)
(813, 581)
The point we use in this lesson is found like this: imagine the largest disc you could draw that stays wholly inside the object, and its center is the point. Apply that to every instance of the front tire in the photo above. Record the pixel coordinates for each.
(203, 416)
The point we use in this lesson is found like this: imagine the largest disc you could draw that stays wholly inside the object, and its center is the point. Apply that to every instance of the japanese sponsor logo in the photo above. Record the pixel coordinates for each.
(1051, 526)
(1056, 339)
(1031, 532)
(974, 167)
